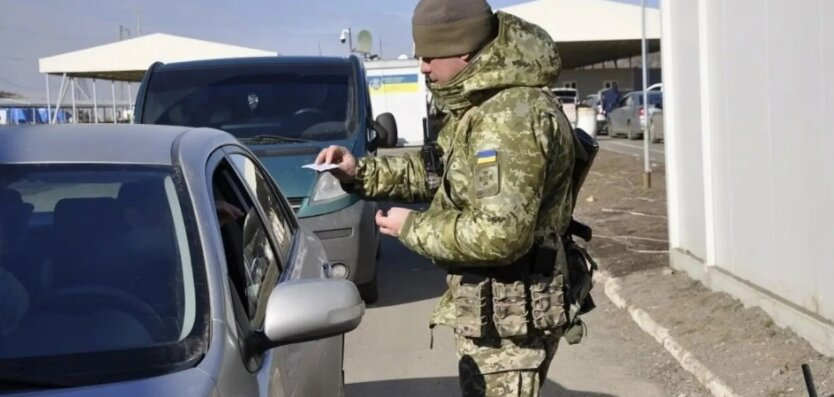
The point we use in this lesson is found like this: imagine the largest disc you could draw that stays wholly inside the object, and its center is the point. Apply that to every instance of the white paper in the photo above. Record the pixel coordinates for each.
(320, 167)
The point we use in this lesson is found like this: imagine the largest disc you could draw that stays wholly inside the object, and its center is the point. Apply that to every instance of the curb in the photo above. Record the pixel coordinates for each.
(661, 334)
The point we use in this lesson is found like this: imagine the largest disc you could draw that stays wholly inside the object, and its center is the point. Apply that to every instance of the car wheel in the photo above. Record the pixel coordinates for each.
(370, 291)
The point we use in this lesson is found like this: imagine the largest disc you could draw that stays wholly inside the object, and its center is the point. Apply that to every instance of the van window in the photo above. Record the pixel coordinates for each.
(300, 101)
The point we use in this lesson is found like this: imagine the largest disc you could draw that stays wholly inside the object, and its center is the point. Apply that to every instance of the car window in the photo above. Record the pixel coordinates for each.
(251, 260)
(106, 257)
(261, 187)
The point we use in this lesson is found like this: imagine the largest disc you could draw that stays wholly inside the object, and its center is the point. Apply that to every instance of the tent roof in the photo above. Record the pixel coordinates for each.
(592, 31)
(129, 59)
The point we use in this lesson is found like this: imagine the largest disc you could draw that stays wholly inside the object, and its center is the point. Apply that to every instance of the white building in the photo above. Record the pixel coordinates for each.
(595, 32)
(750, 164)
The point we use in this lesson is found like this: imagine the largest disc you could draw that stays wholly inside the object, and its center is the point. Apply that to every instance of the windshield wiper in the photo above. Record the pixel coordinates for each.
(272, 138)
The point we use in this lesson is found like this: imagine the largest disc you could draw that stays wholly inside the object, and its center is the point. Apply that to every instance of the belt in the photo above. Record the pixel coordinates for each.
(539, 260)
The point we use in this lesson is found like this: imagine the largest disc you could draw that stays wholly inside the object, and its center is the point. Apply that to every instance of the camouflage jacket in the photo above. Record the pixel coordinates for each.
(507, 155)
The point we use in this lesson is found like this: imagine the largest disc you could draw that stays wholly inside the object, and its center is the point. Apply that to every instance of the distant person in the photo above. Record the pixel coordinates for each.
(610, 98)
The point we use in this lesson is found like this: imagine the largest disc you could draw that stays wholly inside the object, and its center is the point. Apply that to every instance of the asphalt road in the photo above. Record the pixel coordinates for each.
(657, 152)
(389, 355)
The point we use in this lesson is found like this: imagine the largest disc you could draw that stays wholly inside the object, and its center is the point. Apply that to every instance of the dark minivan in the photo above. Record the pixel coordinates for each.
(286, 110)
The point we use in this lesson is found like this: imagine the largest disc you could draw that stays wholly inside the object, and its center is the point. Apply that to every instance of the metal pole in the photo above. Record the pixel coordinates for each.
(113, 93)
(95, 103)
(48, 104)
(647, 176)
(350, 41)
(74, 109)
(61, 93)
(130, 99)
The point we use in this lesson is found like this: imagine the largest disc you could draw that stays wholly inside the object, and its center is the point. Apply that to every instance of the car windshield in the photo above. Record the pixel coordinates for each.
(654, 97)
(300, 101)
(96, 263)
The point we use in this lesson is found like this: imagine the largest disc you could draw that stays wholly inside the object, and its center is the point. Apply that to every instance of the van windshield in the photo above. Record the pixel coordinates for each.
(295, 101)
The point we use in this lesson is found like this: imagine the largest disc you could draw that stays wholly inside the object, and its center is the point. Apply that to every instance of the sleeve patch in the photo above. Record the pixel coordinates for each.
(487, 156)
(487, 179)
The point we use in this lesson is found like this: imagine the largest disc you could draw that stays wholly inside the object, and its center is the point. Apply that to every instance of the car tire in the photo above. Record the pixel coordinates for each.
(370, 290)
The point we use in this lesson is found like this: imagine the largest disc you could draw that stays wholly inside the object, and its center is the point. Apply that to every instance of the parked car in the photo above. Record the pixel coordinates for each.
(655, 87)
(594, 101)
(136, 287)
(656, 125)
(570, 99)
(629, 117)
(287, 109)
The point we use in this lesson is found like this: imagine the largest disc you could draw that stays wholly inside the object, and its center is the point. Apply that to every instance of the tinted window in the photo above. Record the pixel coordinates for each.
(251, 260)
(100, 261)
(272, 206)
(297, 101)
(654, 98)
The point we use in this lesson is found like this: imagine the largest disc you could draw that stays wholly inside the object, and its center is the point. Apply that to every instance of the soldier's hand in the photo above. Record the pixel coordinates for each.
(392, 223)
(341, 156)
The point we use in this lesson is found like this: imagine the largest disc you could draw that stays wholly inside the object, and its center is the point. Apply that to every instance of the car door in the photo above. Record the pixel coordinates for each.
(305, 369)
(253, 267)
(619, 116)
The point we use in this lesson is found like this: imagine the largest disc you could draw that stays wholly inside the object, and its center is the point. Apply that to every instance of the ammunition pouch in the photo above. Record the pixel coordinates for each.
(509, 305)
(472, 307)
(510, 301)
(547, 301)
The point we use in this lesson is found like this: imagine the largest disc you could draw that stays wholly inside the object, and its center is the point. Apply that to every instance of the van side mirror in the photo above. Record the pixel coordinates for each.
(385, 126)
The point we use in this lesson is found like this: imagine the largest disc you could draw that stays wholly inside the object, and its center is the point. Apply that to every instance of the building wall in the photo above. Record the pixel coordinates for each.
(590, 81)
(750, 207)
(398, 87)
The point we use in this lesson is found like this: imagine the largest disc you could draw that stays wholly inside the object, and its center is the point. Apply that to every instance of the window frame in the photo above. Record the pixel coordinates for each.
(284, 209)
(245, 323)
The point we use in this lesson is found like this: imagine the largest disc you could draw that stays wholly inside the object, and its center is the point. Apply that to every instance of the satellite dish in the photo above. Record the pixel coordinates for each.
(364, 41)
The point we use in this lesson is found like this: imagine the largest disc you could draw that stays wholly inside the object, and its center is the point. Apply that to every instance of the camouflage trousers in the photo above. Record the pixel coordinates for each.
(493, 367)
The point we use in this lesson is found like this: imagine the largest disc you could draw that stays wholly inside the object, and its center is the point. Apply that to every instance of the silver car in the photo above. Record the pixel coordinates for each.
(160, 261)
(629, 117)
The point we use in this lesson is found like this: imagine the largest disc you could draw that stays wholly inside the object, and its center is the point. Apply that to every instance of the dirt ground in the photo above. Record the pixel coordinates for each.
(742, 346)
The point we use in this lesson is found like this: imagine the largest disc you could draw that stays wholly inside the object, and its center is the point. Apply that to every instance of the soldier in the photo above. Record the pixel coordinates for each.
(504, 199)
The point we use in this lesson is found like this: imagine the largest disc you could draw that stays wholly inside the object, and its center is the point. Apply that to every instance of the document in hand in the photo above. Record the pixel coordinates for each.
(320, 167)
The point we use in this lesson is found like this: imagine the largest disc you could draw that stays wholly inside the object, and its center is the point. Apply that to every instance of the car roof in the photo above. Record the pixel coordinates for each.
(252, 61)
(95, 143)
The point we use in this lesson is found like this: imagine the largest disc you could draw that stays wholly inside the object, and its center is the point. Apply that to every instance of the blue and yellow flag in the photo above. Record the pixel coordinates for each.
(487, 156)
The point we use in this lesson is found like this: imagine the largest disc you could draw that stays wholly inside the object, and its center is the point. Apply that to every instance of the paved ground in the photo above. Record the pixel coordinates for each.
(633, 148)
(389, 355)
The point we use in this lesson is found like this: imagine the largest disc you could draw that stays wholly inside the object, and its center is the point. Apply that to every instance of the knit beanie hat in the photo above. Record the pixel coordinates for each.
(446, 28)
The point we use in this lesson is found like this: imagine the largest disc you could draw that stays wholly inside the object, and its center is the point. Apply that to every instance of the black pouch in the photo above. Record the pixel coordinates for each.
(509, 305)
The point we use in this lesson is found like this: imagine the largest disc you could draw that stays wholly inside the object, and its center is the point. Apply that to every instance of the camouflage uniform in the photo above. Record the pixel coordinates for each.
(508, 156)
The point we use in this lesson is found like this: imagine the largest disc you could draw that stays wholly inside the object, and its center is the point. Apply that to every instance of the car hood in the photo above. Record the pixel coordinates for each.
(191, 382)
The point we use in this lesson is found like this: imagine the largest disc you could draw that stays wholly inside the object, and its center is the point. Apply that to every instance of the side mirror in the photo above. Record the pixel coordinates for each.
(304, 310)
(386, 128)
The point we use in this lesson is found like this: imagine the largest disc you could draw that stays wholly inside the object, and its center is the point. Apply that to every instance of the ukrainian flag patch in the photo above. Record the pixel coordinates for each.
(487, 156)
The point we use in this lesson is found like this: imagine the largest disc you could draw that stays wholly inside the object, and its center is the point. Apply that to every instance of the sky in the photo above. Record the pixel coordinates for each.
(32, 29)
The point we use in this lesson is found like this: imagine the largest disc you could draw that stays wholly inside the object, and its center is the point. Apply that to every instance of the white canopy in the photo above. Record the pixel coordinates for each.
(128, 60)
(592, 31)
